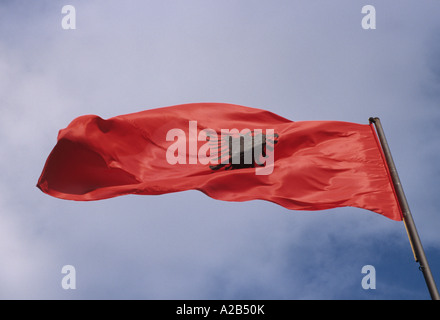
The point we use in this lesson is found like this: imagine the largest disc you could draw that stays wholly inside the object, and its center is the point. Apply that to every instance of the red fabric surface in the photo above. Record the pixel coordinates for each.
(317, 164)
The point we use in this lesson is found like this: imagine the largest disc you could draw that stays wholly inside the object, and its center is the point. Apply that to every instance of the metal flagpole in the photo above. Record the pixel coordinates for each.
(416, 244)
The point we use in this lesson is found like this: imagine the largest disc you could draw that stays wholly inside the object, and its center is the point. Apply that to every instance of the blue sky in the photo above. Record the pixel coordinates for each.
(300, 59)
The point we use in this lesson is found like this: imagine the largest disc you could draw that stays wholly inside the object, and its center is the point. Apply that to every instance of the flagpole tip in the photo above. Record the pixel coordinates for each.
(373, 119)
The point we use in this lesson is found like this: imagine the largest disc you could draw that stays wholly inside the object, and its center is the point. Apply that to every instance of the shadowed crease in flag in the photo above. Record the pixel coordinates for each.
(316, 165)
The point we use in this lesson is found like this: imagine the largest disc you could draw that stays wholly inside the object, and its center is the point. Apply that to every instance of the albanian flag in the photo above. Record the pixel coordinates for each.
(229, 152)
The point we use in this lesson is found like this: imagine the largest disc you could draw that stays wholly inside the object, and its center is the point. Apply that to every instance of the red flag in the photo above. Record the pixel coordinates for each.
(229, 152)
